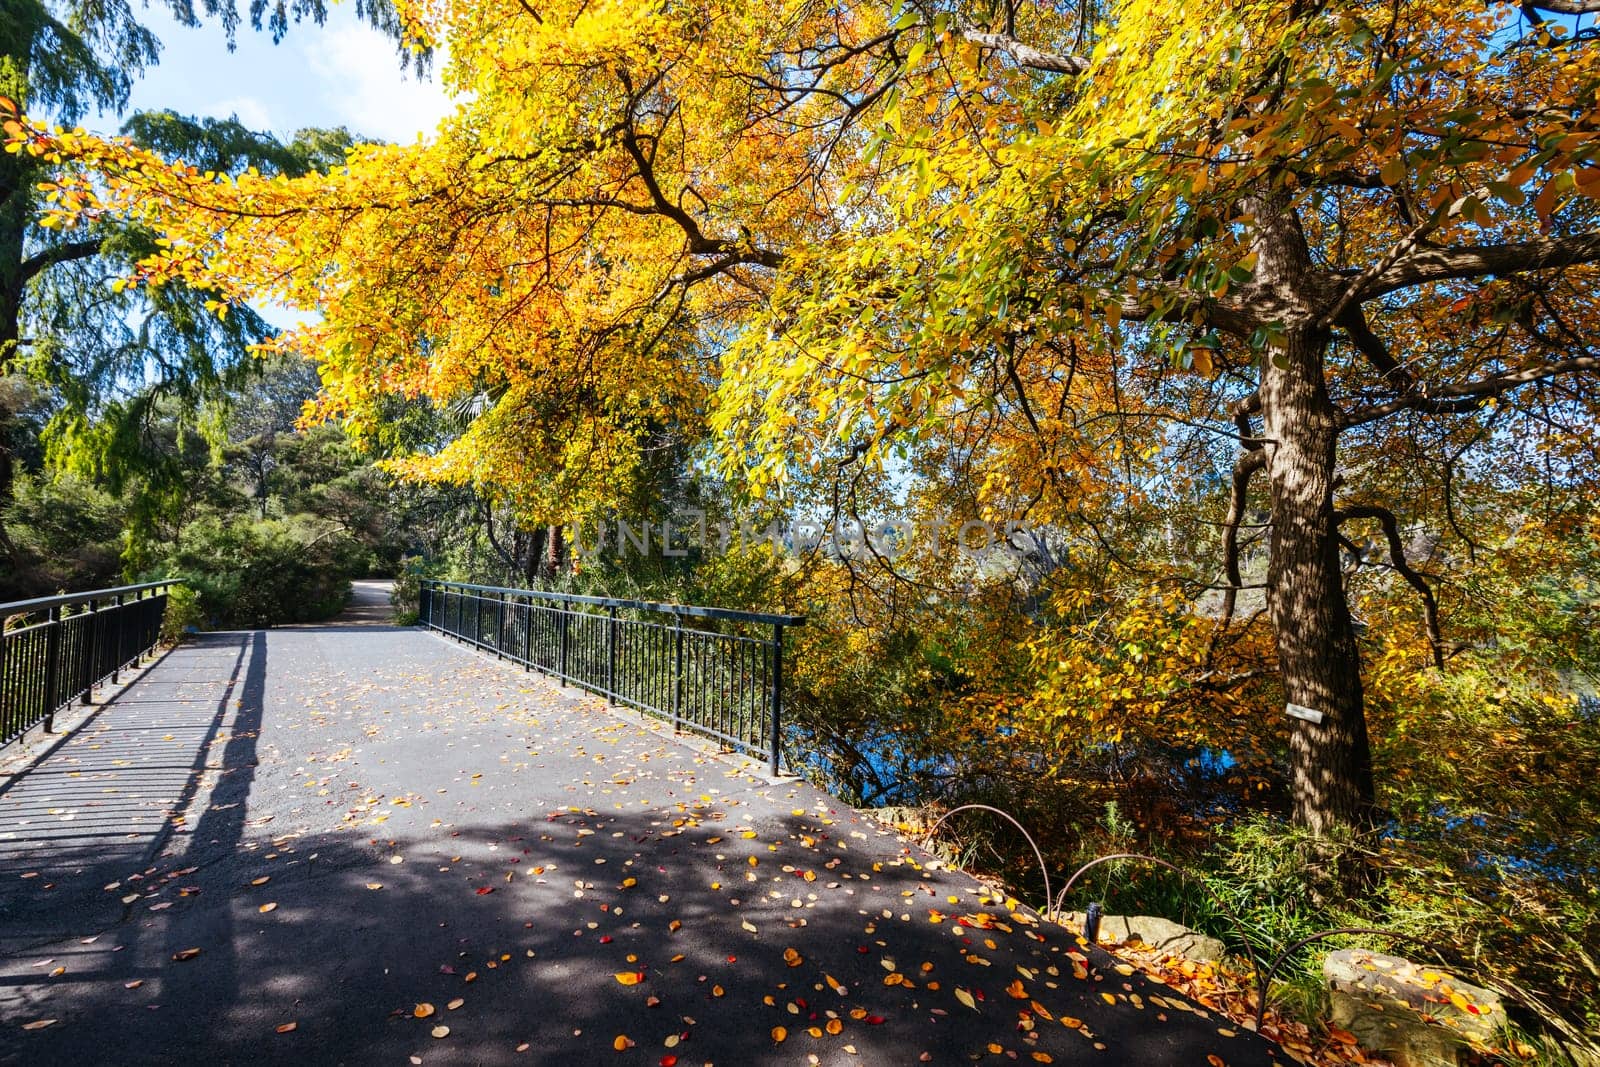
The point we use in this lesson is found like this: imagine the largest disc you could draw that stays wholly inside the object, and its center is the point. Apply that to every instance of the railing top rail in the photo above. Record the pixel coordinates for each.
(27, 607)
(726, 614)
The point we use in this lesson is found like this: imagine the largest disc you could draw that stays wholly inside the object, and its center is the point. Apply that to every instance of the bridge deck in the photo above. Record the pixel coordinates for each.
(352, 820)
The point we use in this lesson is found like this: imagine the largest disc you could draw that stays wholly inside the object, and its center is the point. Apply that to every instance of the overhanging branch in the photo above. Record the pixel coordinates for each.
(1402, 566)
(1424, 265)
(1457, 399)
(1026, 55)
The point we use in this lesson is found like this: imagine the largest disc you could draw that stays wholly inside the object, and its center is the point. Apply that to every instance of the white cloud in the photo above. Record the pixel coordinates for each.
(247, 109)
(361, 83)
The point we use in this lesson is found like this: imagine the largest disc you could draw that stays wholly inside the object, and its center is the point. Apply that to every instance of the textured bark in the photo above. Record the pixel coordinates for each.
(1318, 659)
(1331, 764)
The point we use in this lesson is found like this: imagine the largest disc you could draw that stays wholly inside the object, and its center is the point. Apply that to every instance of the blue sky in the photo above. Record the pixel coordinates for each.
(339, 74)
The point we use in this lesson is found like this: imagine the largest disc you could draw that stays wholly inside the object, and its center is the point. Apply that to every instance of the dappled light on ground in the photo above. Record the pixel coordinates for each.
(364, 844)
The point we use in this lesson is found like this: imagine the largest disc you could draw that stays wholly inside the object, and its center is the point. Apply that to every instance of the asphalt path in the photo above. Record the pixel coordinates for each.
(356, 843)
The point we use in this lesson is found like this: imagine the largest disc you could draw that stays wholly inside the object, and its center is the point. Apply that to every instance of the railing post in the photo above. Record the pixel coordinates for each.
(116, 645)
(777, 696)
(52, 668)
(424, 606)
(500, 628)
(611, 657)
(677, 674)
(527, 634)
(561, 655)
(88, 655)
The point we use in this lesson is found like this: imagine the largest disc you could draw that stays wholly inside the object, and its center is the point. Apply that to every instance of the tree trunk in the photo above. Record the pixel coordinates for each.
(1331, 764)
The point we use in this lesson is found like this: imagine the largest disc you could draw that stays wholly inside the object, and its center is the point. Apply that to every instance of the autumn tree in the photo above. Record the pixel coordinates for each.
(1101, 245)
(62, 325)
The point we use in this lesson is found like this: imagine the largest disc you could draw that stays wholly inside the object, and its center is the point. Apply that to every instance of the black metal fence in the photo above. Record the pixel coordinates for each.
(710, 670)
(55, 650)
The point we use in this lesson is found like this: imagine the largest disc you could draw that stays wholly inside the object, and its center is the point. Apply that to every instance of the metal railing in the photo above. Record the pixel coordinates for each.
(714, 678)
(56, 649)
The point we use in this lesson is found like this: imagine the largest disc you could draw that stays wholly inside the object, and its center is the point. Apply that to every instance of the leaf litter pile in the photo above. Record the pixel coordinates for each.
(440, 857)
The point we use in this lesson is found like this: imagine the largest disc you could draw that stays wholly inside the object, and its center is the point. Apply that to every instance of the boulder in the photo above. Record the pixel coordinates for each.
(1415, 1015)
(1163, 935)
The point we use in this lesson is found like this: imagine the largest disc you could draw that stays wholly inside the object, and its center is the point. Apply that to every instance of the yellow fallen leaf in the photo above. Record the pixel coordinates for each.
(966, 998)
(1015, 990)
(623, 1043)
(186, 954)
(779, 1034)
(440, 1031)
(423, 1010)
(263, 880)
(267, 907)
(628, 977)
(38, 1024)
(288, 1028)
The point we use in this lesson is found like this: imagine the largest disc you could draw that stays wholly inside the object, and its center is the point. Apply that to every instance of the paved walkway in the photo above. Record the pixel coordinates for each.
(360, 844)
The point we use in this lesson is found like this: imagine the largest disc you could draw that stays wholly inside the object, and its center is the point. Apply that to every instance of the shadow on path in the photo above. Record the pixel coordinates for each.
(373, 821)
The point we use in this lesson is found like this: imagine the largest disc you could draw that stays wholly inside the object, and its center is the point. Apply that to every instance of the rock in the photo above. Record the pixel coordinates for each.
(1163, 935)
(1415, 1015)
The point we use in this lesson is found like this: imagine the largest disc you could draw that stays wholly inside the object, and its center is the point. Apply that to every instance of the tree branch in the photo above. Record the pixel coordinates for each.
(1457, 399)
(1025, 55)
(1475, 261)
(1249, 461)
(1567, 7)
(1397, 558)
(61, 253)
(1370, 345)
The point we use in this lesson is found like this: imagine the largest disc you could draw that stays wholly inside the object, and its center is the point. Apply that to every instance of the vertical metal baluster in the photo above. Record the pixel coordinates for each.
(777, 695)
(111, 640)
(86, 655)
(500, 627)
(52, 667)
(611, 656)
(561, 625)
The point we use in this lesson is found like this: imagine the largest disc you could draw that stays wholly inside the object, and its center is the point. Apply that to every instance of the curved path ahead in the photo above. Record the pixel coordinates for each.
(287, 845)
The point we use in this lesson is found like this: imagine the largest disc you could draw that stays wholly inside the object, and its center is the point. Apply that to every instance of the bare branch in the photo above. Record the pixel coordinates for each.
(1370, 345)
(1397, 558)
(1456, 399)
(1476, 261)
(1025, 55)
(1244, 467)
(1567, 7)
(61, 253)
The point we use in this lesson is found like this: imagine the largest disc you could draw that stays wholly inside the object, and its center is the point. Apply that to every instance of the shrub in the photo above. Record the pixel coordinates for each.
(183, 614)
(249, 574)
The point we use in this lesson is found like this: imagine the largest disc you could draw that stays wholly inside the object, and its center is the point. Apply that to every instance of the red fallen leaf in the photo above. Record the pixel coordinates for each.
(873, 1020)
(485, 890)
(733, 959)
(605, 939)
(669, 1060)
